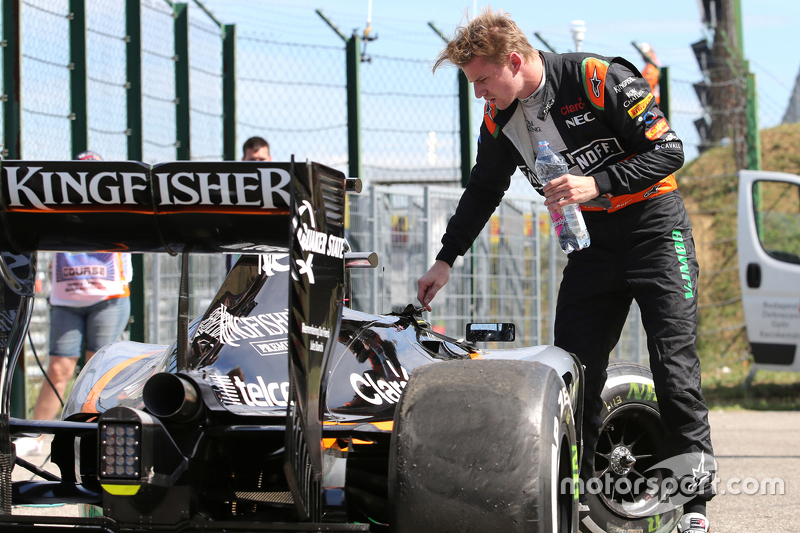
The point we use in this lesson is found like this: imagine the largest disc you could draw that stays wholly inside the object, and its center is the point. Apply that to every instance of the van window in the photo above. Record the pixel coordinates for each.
(777, 206)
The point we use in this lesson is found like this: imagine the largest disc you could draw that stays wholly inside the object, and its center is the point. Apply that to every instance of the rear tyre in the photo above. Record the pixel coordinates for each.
(483, 446)
(630, 443)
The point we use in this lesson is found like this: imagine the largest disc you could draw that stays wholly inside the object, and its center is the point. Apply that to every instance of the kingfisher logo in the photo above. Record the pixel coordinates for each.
(230, 329)
(40, 188)
(31, 188)
(620, 87)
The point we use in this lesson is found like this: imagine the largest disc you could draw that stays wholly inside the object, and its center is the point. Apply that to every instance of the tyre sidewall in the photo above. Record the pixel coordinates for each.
(526, 426)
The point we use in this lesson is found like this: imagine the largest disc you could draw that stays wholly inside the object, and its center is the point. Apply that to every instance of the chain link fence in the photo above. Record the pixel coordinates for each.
(510, 274)
(205, 83)
(45, 89)
(685, 109)
(410, 121)
(106, 78)
(158, 82)
(294, 96)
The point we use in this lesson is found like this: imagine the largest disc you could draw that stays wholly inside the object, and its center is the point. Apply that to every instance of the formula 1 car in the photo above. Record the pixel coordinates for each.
(281, 408)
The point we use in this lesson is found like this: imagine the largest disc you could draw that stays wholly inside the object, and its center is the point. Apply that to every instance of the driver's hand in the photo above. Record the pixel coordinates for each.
(433, 280)
(569, 189)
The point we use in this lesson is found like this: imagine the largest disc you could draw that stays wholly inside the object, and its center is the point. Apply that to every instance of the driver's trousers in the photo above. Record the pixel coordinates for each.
(645, 252)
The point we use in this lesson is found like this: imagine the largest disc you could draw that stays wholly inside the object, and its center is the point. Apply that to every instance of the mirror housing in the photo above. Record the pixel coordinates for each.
(491, 332)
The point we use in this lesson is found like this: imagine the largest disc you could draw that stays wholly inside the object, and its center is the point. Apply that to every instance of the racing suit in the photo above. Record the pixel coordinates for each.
(600, 114)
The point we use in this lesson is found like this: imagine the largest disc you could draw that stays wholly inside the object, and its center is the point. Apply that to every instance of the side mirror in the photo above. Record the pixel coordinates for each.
(504, 332)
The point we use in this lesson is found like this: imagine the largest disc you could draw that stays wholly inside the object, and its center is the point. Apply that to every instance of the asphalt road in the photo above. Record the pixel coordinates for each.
(758, 445)
(757, 451)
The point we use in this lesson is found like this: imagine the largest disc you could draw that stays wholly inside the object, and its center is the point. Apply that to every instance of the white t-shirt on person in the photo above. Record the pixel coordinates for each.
(81, 280)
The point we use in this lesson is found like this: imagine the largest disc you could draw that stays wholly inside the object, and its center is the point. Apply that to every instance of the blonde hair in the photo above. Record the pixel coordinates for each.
(489, 35)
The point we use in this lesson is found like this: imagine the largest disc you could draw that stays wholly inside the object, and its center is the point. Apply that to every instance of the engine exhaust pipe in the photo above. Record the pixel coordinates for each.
(171, 398)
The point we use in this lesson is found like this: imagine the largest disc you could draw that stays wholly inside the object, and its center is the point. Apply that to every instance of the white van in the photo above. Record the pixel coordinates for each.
(769, 266)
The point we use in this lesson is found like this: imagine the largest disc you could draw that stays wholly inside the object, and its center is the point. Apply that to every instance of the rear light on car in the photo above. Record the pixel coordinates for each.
(135, 450)
(120, 451)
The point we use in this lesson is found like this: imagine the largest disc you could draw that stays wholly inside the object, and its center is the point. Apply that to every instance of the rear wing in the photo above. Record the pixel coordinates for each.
(83, 206)
(207, 207)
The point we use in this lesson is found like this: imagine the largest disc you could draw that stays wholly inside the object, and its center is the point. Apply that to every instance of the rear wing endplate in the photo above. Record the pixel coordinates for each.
(205, 207)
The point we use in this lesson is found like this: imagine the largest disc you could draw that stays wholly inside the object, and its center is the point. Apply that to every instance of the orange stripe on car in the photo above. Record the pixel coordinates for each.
(387, 425)
(90, 404)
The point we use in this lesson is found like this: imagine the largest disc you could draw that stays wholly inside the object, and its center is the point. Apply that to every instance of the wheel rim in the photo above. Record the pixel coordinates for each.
(629, 445)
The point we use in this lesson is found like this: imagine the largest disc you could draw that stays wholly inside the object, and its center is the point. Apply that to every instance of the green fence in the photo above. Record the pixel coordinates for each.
(157, 81)
(295, 96)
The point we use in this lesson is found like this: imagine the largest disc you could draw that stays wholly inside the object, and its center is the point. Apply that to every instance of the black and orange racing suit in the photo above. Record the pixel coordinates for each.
(641, 239)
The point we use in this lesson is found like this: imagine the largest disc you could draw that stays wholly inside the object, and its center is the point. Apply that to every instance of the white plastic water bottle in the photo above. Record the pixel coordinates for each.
(568, 222)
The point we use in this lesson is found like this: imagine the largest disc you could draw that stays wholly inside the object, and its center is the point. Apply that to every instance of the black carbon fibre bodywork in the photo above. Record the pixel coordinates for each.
(282, 416)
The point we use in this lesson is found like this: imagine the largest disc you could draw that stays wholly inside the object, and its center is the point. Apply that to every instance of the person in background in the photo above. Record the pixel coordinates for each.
(89, 308)
(256, 149)
(652, 71)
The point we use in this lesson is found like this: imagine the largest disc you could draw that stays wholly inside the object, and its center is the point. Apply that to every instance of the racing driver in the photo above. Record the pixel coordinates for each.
(601, 115)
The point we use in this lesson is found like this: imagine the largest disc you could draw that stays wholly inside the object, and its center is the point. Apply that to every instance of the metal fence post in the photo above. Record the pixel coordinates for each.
(352, 66)
(753, 135)
(229, 92)
(182, 110)
(12, 149)
(154, 335)
(133, 59)
(373, 213)
(426, 228)
(77, 77)
(465, 116)
(12, 80)
(663, 89)
(353, 106)
(537, 271)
